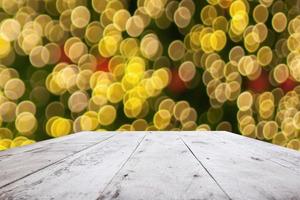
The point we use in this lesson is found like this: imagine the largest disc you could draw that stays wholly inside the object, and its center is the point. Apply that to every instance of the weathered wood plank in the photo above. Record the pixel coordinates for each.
(20, 162)
(162, 168)
(241, 172)
(78, 177)
(76, 137)
(282, 156)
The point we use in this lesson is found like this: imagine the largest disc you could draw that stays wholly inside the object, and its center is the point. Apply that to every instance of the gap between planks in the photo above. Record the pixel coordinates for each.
(139, 143)
(187, 146)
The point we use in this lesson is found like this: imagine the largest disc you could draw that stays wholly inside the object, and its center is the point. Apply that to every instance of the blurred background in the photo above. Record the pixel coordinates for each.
(77, 65)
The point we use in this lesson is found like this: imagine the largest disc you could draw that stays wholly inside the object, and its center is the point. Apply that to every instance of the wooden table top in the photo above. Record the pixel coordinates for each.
(160, 165)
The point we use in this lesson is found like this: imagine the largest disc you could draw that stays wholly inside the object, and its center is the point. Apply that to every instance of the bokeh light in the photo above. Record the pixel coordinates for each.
(78, 65)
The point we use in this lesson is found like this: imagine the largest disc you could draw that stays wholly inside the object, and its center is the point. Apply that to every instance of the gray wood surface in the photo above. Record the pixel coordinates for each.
(77, 177)
(17, 163)
(243, 173)
(277, 154)
(163, 168)
(143, 165)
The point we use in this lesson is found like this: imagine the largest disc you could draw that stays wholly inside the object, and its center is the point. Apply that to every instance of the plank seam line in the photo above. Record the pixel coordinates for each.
(205, 169)
(134, 150)
(77, 152)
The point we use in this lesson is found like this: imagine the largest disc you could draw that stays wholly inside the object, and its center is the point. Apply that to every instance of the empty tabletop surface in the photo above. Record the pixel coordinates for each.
(150, 165)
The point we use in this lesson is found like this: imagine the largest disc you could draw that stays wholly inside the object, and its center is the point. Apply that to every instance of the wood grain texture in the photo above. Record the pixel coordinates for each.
(78, 177)
(282, 156)
(145, 165)
(240, 171)
(162, 168)
(75, 138)
(20, 162)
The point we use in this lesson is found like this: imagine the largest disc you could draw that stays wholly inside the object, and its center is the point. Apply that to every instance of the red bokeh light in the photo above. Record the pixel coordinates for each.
(259, 85)
(63, 56)
(176, 85)
(102, 64)
(288, 85)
